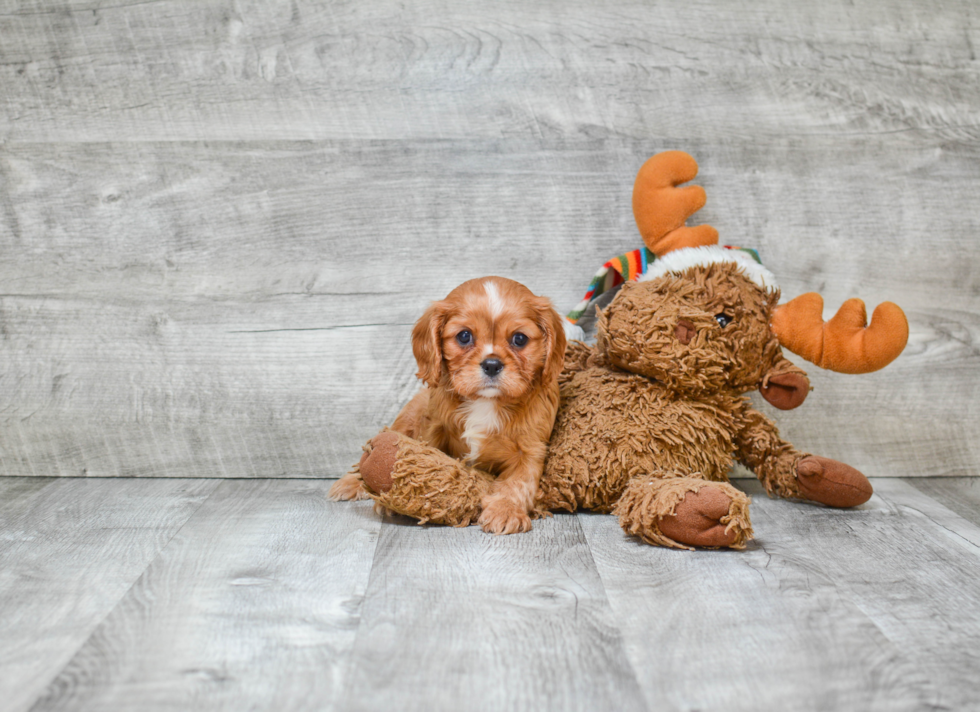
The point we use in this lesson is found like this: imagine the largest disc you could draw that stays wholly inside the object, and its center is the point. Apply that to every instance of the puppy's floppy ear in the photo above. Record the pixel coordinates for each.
(427, 343)
(550, 322)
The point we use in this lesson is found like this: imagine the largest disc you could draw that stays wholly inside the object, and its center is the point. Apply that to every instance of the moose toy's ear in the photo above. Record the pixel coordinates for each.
(786, 386)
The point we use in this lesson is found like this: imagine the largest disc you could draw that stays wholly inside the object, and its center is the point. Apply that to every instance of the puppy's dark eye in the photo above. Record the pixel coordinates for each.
(723, 320)
(464, 338)
(519, 340)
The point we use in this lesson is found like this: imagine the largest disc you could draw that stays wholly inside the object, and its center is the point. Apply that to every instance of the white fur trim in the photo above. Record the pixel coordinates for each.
(573, 332)
(678, 261)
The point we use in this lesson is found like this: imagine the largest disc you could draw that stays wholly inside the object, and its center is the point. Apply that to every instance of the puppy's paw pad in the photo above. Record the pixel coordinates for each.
(502, 517)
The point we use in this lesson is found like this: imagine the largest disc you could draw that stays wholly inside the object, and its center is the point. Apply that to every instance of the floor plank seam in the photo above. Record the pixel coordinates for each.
(894, 501)
(847, 595)
(966, 543)
(605, 594)
(136, 580)
(344, 703)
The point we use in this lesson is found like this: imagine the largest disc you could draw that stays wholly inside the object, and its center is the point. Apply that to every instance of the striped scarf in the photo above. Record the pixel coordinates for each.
(626, 268)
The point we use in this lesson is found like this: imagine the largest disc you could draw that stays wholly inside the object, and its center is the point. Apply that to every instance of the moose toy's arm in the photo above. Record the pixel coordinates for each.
(786, 472)
(772, 459)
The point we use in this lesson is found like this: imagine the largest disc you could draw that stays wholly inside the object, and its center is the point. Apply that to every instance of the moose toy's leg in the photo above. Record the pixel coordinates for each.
(380, 452)
(684, 512)
(418, 480)
(787, 472)
(831, 482)
(351, 485)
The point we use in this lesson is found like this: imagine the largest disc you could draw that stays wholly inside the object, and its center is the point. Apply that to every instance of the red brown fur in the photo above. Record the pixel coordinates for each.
(497, 422)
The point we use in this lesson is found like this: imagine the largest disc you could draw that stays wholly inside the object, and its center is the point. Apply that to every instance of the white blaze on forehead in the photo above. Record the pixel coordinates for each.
(493, 296)
(481, 417)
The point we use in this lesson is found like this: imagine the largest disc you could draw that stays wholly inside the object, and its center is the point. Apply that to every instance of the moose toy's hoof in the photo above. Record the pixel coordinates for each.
(376, 466)
(697, 519)
(832, 483)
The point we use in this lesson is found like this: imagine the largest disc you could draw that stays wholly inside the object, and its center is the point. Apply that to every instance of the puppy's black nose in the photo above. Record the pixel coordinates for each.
(492, 366)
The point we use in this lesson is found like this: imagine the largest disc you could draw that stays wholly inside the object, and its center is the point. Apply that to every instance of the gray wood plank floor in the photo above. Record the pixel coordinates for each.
(219, 219)
(147, 594)
(69, 551)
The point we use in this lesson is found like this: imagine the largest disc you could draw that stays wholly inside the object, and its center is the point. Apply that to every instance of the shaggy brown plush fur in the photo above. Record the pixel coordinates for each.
(655, 412)
(651, 420)
(646, 507)
(422, 481)
(649, 408)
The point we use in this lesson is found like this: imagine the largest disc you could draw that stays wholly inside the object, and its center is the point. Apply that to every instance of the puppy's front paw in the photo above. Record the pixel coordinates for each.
(348, 487)
(501, 516)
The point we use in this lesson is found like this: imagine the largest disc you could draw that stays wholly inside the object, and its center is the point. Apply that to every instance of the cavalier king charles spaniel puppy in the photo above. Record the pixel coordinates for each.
(489, 354)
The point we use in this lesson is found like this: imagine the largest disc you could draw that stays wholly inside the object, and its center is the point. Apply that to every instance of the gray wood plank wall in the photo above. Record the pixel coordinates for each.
(219, 219)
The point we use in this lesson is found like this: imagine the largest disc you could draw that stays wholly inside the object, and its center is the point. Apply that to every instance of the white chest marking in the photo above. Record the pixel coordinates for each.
(481, 417)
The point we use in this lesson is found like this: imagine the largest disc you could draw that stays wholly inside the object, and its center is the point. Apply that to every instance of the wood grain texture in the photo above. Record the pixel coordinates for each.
(219, 219)
(901, 561)
(70, 549)
(456, 618)
(371, 228)
(905, 494)
(254, 605)
(270, 597)
(960, 494)
(236, 310)
(218, 69)
(759, 629)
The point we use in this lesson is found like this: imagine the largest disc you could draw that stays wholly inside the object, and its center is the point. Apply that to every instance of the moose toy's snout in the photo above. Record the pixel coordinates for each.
(685, 331)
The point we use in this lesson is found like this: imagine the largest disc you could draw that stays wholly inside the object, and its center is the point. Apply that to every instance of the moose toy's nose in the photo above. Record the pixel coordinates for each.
(684, 331)
(492, 366)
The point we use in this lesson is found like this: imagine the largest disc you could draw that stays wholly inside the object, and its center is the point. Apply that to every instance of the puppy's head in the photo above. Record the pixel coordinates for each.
(490, 338)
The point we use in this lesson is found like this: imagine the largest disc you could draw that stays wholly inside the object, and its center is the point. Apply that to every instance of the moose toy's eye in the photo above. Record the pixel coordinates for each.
(519, 340)
(464, 338)
(723, 320)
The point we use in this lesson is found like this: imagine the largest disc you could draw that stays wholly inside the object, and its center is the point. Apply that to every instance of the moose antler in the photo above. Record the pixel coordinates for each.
(846, 343)
(660, 207)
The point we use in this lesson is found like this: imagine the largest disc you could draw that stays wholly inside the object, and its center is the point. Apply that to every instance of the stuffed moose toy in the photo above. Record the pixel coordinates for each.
(652, 418)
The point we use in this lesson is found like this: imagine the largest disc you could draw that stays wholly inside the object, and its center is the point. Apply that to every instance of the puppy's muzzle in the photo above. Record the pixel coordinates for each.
(492, 366)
